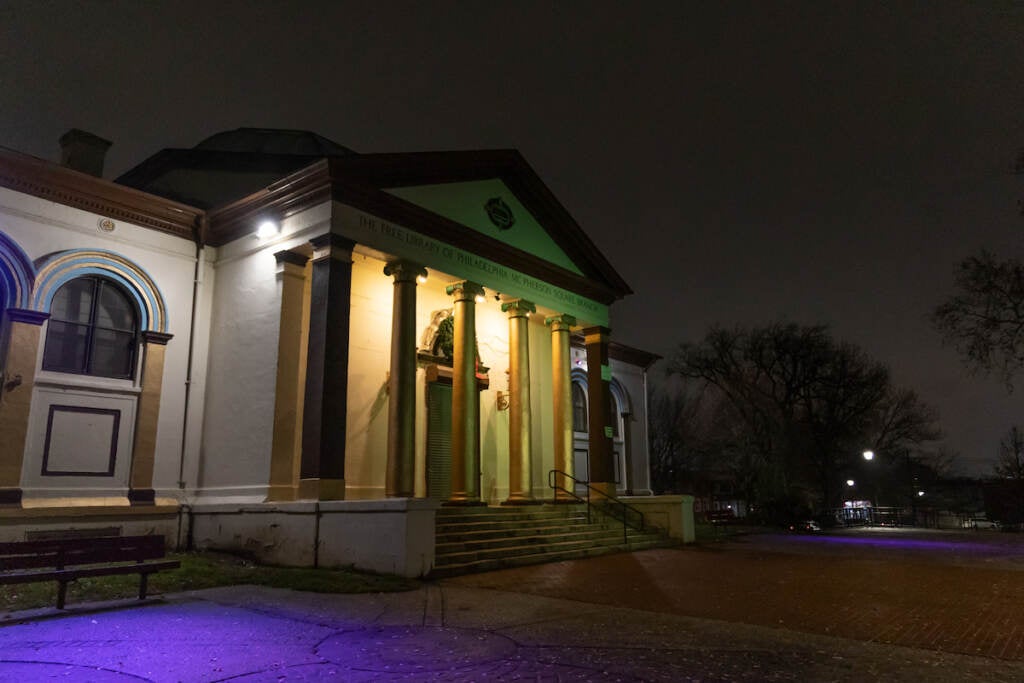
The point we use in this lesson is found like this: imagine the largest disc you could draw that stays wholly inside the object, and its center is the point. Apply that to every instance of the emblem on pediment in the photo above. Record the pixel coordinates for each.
(500, 213)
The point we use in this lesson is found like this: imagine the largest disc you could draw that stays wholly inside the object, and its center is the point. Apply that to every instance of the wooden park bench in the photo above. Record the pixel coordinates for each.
(66, 559)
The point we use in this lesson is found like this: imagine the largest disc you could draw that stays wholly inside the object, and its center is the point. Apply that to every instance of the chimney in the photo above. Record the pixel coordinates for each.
(83, 151)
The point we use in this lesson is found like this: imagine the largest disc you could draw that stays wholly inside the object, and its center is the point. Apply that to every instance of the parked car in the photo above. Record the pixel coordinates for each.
(981, 523)
(805, 526)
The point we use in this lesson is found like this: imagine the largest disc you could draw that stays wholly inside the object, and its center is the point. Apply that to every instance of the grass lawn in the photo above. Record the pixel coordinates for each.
(203, 570)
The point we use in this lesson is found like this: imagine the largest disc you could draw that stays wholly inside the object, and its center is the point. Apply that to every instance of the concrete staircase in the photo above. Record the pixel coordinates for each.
(476, 539)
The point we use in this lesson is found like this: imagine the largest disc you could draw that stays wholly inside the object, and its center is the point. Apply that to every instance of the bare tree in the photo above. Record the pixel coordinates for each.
(984, 320)
(807, 403)
(1009, 466)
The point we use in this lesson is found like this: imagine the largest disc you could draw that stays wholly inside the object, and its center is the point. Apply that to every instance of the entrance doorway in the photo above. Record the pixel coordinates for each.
(439, 440)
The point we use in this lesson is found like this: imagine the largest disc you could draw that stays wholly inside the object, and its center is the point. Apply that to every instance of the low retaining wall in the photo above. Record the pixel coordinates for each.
(673, 514)
(394, 536)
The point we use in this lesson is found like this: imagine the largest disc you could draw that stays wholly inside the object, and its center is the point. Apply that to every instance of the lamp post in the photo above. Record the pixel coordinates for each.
(869, 455)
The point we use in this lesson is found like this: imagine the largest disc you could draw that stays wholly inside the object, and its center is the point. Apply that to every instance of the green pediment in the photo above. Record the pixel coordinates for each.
(489, 207)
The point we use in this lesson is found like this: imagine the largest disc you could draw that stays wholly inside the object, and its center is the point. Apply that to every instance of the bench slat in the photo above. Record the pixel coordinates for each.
(65, 560)
(86, 572)
(70, 552)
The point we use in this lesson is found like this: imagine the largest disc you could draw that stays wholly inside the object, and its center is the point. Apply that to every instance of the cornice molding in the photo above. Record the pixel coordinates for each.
(292, 194)
(333, 179)
(55, 183)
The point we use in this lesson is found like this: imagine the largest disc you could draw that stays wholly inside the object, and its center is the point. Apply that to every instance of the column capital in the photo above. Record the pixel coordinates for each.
(332, 245)
(518, 308)
(292, 257)
(405, 271)
(596, 334)
(23, 315)
(160, 338)
(465, 290)
(560, 323)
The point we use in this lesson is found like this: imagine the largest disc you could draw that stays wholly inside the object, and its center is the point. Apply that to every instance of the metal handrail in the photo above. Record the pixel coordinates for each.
(626, 509)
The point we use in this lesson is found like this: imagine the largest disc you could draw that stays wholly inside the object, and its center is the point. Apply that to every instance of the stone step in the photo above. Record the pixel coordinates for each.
(482, 538)
(507, 562)
(487, 532)
(512, 515)
(509, 525)
(449, 546)
(572, 544)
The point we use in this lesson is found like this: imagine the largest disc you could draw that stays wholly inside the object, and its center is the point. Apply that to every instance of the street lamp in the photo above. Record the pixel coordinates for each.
(869, 455)
(850, 482)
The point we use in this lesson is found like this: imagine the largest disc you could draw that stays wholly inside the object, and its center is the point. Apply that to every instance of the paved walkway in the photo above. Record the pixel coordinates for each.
(934, 591)
(742, 612)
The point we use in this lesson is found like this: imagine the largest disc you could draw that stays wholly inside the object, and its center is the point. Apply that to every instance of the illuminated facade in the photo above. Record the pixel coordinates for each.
(406, 330)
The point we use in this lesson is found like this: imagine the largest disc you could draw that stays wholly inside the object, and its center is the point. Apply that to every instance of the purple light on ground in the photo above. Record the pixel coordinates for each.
(902, 543)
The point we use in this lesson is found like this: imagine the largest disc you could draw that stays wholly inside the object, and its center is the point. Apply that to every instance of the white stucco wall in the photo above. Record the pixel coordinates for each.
(242, 363)
(42, 227)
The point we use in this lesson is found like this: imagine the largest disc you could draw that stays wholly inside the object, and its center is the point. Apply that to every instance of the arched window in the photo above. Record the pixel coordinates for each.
(579, 408)
(93, 329)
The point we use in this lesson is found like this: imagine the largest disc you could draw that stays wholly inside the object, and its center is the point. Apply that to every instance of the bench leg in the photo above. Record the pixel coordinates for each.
(62, 594)
(143, 581)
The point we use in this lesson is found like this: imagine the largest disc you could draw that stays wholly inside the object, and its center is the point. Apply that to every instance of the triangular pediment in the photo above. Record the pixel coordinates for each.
(491, 208)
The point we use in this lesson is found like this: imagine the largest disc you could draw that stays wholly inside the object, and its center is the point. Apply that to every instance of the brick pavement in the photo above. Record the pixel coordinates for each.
(909, 601)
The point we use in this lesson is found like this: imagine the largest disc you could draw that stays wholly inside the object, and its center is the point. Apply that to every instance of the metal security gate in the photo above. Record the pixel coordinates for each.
(439, 440)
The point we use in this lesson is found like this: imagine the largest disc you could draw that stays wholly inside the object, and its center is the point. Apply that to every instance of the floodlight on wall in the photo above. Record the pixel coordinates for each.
(267, 229)
(480, 297)
(421, 279)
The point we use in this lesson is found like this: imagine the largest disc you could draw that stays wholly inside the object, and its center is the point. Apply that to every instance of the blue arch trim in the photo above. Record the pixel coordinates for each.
(53, 270)
(17, 275)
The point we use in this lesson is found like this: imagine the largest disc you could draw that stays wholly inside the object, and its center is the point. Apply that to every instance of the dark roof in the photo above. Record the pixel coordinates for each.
(229, 165)
(273, 141)
(236, 172)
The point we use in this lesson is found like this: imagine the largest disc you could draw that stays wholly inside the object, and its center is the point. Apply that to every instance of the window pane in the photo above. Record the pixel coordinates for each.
(613, 413)
(579, 408)
(115, 310)
(65, 347)
(112, 353)
(73, 301)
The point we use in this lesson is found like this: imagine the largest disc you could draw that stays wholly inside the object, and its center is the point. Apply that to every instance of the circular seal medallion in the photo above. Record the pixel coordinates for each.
(500, 213)
(107, 225)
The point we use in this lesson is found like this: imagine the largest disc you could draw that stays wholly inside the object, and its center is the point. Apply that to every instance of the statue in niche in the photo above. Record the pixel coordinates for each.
(438, 340)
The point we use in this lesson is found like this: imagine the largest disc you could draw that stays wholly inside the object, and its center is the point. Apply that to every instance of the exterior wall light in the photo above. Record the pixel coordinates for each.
(869, 455)
(267, 229)
(421, 279)
(850, 482)
(480, 298)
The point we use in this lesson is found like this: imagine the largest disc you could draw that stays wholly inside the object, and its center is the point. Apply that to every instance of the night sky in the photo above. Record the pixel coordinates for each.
(822, 162)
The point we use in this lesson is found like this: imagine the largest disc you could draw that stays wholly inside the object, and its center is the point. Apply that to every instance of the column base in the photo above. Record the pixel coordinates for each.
(280, 493)
(565, 499)
(141, 496)
(321, 489)
(10, 497)
(605, 487)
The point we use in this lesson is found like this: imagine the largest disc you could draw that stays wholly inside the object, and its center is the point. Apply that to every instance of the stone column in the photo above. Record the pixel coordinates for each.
(561, 392)
(599, 376)
(520, 470)
(286, 447)
(325, 407)
(140, 489)
(16, 382)
(465, 402)
(400, 481)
